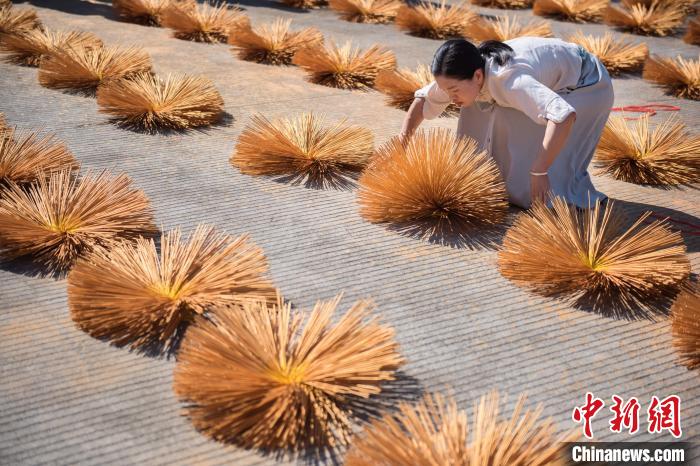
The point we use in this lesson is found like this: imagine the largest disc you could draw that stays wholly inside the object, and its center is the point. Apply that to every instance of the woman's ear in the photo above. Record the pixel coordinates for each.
(479, 76)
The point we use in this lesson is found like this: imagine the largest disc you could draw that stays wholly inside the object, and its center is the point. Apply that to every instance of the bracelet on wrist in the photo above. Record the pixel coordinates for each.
(538, 173)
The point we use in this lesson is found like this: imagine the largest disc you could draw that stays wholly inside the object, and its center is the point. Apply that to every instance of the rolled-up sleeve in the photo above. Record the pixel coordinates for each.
(523, 92)
(435, 100)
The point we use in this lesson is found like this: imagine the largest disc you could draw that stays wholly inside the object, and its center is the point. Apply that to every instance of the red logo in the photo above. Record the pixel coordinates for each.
(586, 412)
(626, 416)
(665, 415)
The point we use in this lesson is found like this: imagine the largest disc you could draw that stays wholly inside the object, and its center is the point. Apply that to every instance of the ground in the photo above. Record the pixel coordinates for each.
(66, 398)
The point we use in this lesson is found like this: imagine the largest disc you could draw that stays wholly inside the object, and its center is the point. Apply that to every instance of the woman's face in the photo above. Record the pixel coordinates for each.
(463, 92)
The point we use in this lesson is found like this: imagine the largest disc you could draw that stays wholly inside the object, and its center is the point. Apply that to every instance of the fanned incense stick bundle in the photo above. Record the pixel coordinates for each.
(133, 296)
(665, 155)
(680, 77)
(302, 146)
(366, 11)
(436, 21)
(5, 131)
(345, 67)
(510, 4)
(27, 156)
(17, 20)
(272, 44)
(436, 432)
(400, 85)
(207, 22)
(506, 28)
(148, 12)
(618, 55)
(564, 252)
(688, 5)
(87, 68)
(27, 48)
(685, 317)
(656, 19)
(435, 176)
(151, 103)
(59, 218)
(432, 432)
(580, 11)
(692, 35)
(260, 377)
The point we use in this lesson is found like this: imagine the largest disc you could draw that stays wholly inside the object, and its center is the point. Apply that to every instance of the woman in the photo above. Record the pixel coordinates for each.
(537, 106)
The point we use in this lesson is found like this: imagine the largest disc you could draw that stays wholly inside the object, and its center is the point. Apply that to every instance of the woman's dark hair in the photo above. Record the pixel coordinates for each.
(459, 58)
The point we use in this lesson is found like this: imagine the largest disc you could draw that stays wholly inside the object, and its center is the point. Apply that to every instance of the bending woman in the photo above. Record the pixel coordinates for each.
(537, 106)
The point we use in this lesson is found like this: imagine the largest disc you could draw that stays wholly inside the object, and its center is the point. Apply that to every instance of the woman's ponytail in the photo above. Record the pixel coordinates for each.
(459, 58)
(500, 52)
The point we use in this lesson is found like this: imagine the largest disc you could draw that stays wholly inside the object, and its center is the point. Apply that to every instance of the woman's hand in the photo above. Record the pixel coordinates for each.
(413, 119)
(555, 136)
(539, 188)
(404, 138)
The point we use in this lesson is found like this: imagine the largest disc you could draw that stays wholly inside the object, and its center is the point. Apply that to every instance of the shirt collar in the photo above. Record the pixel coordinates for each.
(485, 94)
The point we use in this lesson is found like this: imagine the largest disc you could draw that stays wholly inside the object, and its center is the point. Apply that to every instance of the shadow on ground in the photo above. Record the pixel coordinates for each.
(630, 306)
(104, 8)
(76, 7)
(688, 225)
(345, 181)
(268, 4)
(225, 120)
(456, 232)
(25, 265)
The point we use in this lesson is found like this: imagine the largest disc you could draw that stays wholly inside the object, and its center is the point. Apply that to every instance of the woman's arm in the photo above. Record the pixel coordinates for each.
(544, 106)
(413, 119)
(555, 136)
